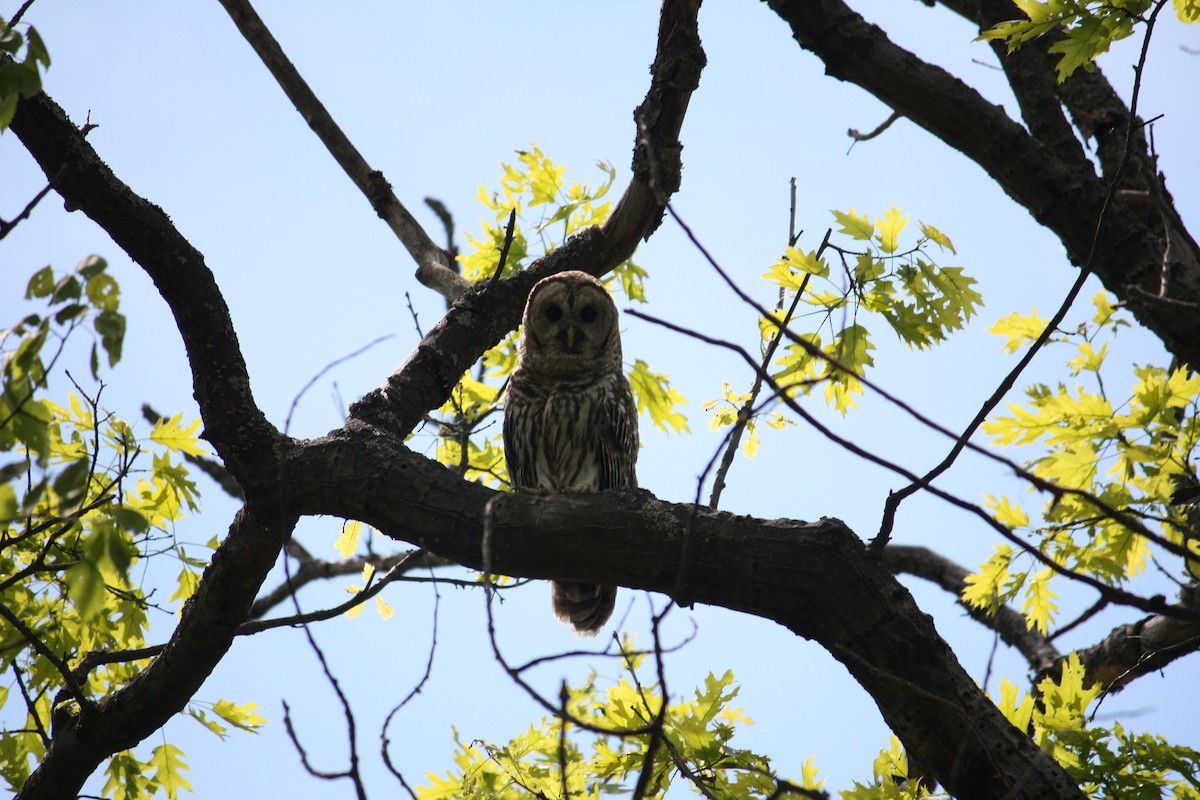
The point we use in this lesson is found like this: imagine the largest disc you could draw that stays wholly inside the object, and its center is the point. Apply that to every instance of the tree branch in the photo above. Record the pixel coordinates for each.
(233, 424)
(817, 579)
(943, 572)
(484, 315)
(1054, 182)
(434, 267)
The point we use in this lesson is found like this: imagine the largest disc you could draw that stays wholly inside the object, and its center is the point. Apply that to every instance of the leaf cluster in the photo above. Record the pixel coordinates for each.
(1108, 762)
(84, 501)
(22, 59)
(919, 300)
(607, 758)
(1137, 457)
(1088, 27)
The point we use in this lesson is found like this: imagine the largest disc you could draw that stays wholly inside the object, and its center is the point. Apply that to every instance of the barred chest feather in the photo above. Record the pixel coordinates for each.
(565, 424)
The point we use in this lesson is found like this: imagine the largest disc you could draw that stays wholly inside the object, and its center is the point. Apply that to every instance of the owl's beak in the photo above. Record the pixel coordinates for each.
(570, 334)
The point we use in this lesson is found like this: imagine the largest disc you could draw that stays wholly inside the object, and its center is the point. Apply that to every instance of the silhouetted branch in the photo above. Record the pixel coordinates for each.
(433, 263)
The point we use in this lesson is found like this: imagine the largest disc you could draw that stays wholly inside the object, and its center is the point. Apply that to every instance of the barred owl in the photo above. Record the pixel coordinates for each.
(570, 423)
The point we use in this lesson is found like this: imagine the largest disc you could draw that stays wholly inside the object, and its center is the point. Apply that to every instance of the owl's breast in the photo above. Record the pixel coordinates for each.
(567, 457)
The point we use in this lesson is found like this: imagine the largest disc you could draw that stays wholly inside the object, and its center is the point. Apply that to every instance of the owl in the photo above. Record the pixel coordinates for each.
(570, 422)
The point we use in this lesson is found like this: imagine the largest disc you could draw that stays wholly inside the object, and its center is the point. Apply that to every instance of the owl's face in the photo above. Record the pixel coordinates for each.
(571, 322)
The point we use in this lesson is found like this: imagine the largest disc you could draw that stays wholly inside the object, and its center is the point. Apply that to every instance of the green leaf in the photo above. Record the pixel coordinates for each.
(1019, 329)
(67, 288)
(984, 588)
(170, 432)
(168, 765)
(111, 327)
(654, 395)
(72, 482)
(1187, 10)
(242, 716)
(103, 292)
(855, 225)
(187, 582)
(214, 726)
(890, 225)
(942, 240)
(41, 284)
(37, 48)
(86, 588)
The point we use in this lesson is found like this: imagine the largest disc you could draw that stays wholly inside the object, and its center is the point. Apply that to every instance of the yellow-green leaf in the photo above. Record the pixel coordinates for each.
(167, 761)
(347, 542)
(188, 580)
(934, 235)
(890, 225)
(171, 433)
(855, 225)
(385, 611)
(1019, 329)
(242, 716)
(654, 395)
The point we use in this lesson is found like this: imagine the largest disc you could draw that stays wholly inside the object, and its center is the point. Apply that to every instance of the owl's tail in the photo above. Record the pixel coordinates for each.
(583, 606)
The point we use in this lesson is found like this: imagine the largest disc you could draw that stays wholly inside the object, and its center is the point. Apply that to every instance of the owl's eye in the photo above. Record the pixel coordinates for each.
(587, 314)
(553, 313)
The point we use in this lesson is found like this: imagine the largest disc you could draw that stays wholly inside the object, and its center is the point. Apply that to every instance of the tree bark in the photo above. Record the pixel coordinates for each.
(1121, 225)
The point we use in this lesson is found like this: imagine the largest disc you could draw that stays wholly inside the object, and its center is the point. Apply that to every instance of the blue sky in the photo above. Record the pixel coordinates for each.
(436, 95)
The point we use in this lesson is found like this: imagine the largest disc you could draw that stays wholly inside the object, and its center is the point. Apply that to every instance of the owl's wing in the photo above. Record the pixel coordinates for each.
(520, 419)
(617, 437)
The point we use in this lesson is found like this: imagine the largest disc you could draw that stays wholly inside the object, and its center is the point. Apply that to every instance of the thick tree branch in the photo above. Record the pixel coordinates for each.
(657, 163)
(1051, 179)
(1127, 653)
(817, 579)
(434, 268)
(482, 316)
(205, 631)
(943, 572)
(233, 424)
(1146, 646)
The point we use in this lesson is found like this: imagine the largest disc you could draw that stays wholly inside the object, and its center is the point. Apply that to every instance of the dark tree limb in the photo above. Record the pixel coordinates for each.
(233, 423)
(1050, 178)
(1131, 651)
(434, 266)
(206, 628)
(817, 579)
(1010, 625)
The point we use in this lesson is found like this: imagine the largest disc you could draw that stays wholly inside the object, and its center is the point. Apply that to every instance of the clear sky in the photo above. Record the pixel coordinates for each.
(436, 95)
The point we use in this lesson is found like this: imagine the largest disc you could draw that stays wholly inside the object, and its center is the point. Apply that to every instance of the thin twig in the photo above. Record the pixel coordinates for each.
(745, 412)
(508, 239)
(45, 652)
(883, 126)
(20, 13)
(30, 705)
(287, 423)
(351, 726)
(416, 690)
(6, 227)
